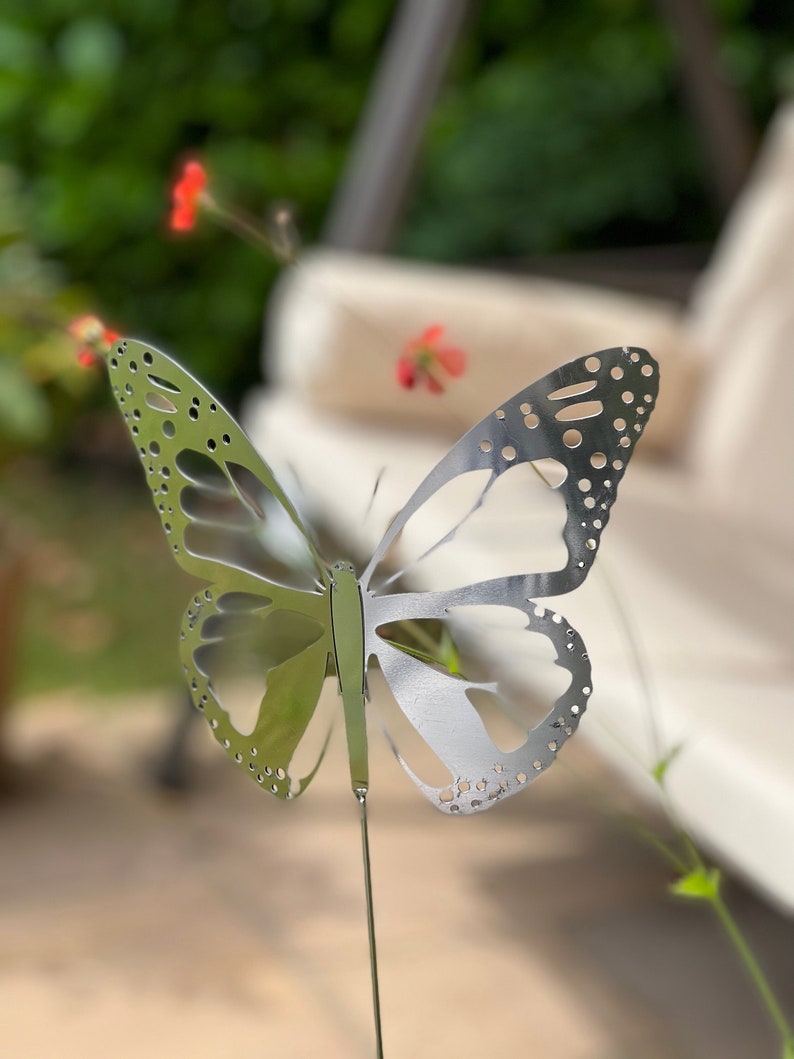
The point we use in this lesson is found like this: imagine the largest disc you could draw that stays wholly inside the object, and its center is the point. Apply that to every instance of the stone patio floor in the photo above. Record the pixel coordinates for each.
(219, 922)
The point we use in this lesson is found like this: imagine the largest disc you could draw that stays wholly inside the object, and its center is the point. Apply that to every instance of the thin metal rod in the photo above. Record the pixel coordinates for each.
(368, 200)
(373, 957)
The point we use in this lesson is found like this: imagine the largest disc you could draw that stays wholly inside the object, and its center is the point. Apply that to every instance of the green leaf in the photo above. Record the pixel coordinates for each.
(448, 654)
(788, 1050)
(703, 884)
(659, 770)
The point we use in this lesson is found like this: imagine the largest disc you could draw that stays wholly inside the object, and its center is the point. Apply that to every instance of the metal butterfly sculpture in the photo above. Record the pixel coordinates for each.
(216, 495)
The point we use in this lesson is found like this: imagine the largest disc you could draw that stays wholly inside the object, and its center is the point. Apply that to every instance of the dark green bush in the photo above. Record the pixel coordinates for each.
(565, 128)
(99, 102)
(560, 127)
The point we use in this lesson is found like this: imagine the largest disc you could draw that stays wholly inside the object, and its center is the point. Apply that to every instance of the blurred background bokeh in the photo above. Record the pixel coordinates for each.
(597, 139)
(561, 136)
(558, 128)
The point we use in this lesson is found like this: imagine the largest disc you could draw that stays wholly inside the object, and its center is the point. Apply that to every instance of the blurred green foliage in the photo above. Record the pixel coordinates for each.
(41, 383)
(103, 597)
(564, 128)
(99, 103)
(560, 127)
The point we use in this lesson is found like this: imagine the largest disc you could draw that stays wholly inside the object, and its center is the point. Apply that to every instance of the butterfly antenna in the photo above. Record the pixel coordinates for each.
(297, 495)
(540, 473)
(361, 795)
(375, 489)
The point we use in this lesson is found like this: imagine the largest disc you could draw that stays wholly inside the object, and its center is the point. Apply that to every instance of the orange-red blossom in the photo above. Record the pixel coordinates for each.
(95, 339)
(186, 196)
(424, 359)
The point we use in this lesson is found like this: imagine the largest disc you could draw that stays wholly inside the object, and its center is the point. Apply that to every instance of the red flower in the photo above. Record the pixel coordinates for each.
(187, 195)
(95, 339)
(424, 358)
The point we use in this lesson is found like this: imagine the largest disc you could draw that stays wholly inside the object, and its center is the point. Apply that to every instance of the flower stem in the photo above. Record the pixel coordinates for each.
(240, 225)
(689, 850)
(760, 980)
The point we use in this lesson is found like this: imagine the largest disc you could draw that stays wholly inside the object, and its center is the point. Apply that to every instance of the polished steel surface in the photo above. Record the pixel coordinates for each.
(228, 522)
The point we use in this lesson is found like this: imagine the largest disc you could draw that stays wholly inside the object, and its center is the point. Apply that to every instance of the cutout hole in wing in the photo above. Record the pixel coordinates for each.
(237, 545)
(574, 390)
(439, 519)
(242, 602)
(511, 684)
(428, 639)
(550, 471)
(214, 508)
(312, 746)
(160, 403)
(276, 532)
(202, 471)
(496, 645)
(579, 410)
(164, 384)
(241, 648)
(485, 645)
(253, 492)
(464, 534)
(237, 521)
(503, 731)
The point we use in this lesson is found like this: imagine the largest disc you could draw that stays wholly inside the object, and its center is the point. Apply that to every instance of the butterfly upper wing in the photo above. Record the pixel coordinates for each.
(221, 509)
(588, 416)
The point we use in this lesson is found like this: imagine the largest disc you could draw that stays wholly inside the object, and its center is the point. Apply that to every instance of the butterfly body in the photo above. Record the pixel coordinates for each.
(280, 612)
(347, 622)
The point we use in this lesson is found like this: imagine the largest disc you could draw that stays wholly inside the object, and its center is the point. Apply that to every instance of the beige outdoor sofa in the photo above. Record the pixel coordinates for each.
(698, 558)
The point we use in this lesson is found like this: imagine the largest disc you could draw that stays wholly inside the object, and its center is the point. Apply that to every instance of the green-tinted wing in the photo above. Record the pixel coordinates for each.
(256, 671)
(220, 505)
(262, 628)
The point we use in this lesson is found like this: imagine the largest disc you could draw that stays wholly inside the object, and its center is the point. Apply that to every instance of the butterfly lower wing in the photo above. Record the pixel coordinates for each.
(440, 707)
(229, 522)
(287, 647)
(587, 416)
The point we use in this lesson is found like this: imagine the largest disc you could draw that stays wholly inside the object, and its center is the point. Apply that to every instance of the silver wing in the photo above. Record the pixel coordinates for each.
(588, 416)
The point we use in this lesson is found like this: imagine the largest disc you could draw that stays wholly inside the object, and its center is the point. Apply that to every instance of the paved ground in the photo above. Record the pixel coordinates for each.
(223, 923)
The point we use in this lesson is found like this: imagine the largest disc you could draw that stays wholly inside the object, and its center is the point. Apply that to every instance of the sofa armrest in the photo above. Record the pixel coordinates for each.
(339, 321)
(742, 319)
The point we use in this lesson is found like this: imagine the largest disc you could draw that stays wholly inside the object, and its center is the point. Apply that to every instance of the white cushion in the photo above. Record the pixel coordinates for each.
(713, 632)
(742, 319)
(699, 553)
(339, 322)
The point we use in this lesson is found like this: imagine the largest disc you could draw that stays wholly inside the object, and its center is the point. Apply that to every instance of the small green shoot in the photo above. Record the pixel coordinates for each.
(702, 884)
